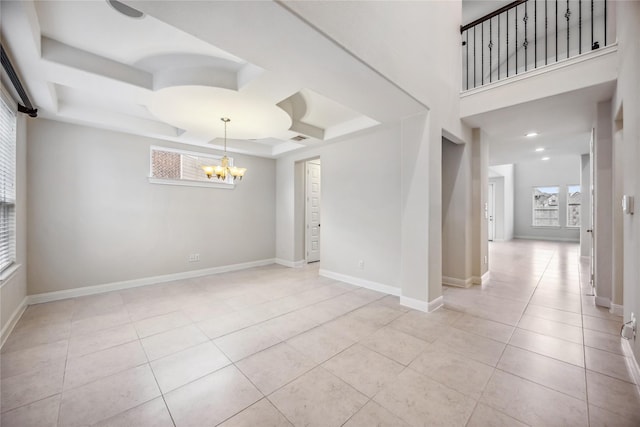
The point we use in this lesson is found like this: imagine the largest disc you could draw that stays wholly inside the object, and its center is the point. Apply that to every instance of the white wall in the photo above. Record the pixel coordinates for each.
(95, 219)
(360, 207)
(558, 171)
(628, 97)
(590, 69)
(14, 289)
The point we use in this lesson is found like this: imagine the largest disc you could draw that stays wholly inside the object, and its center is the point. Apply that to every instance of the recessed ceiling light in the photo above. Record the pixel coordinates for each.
(531, 134)
(539, 149)
(545, 158)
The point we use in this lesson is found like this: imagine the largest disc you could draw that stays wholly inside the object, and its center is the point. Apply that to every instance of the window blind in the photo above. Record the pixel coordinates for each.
(7, 185)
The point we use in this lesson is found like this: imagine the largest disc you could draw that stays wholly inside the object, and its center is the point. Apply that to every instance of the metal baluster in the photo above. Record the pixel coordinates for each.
(474, 56)
(546, 30)
(490, 49)
(567, 15)
(516, 8)
(507, 22)
(592, 45)
(482, 52)
(499, 47)
(526, 41)
(535, 34)
(467, 43)
(579, 27)
(556, 30)
(605, 22)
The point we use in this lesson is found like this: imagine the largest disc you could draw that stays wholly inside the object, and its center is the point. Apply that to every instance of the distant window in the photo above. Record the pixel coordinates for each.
(545, 206)
(172, 166)
(574, 200)
(7, 184)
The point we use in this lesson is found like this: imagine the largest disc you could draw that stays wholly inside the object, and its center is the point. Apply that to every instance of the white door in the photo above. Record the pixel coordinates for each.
(491, 201)
(312, 210)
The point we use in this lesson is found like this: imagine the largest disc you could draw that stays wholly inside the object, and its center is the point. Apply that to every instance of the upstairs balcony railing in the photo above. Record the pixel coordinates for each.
(528, 34)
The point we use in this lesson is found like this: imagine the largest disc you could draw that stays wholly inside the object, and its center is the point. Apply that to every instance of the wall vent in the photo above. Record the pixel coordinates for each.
(299, 138)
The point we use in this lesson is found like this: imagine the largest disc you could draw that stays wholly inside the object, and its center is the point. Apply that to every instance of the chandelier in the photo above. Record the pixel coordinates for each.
(223, 170)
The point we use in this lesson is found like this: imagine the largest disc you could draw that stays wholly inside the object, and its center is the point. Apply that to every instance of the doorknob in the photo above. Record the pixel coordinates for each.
(589, 231)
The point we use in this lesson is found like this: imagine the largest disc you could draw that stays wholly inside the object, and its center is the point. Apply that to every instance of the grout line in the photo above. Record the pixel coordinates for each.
(155, 379)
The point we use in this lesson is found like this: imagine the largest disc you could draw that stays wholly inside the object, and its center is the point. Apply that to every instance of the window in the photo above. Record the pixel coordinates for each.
(7, 184)
(574, 200)
(179, 167)
(545, 206)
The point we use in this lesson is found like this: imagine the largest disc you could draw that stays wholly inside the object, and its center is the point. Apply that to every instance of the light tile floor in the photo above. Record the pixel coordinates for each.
(274, 346)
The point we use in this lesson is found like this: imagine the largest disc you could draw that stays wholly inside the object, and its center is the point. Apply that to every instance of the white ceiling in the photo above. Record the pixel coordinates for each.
(175, 72)
(563, 124)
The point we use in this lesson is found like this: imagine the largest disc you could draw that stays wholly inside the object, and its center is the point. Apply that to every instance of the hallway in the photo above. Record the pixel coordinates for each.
(564, 358)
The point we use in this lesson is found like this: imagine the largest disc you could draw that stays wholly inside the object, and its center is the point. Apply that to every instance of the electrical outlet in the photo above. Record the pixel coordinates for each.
(361, 264)
(486, 259)
(194, 257)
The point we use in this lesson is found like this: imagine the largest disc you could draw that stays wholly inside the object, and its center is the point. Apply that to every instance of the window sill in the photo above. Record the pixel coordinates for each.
(547, 226)
(8, 273)
(189, 183)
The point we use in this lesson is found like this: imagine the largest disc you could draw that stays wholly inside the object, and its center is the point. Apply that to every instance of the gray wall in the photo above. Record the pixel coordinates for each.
(94, 218)
(504, 210)
(456, 206)
(561, 171)
(498, 214)
(603, 200)
(360, 207)
(585, 221)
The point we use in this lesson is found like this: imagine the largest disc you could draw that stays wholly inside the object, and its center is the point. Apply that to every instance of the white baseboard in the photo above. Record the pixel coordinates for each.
(632, 362)
(435, 304)
(126, 284)
(291, 264)
(603, 302)
(363, 283)
(549, 239)
(616, 309)
(13, 320)
(460, 283)
(420, 305)
(416, 304)
(475, 280)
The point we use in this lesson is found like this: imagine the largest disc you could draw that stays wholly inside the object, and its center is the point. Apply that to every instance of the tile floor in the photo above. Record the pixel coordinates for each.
(274, 346)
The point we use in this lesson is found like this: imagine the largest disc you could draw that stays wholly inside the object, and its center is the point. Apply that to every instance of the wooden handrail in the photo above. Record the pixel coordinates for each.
(491, 15)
